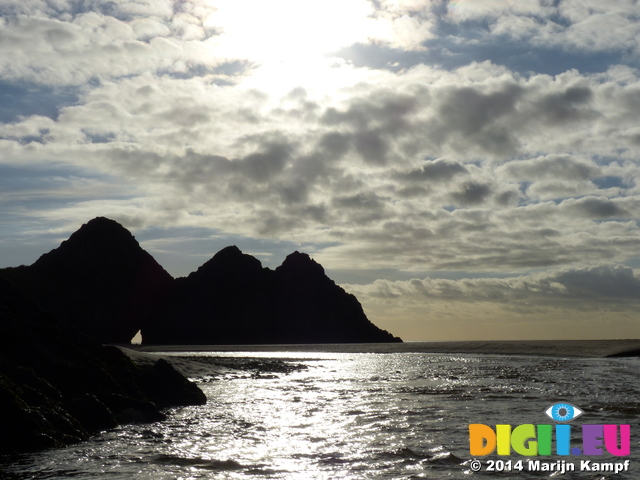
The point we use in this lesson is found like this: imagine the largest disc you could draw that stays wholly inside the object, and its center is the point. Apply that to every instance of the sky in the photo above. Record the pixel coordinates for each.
(469, 169)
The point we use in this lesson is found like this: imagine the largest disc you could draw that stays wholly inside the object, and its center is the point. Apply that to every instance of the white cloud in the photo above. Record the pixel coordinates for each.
(464, 10)
(424, 170)
(237, 122)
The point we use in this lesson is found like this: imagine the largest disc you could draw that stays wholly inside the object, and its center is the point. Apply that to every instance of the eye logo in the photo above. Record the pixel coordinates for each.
(563, 412)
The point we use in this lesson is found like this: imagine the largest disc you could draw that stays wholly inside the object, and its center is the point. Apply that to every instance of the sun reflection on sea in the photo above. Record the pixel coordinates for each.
(313, 416)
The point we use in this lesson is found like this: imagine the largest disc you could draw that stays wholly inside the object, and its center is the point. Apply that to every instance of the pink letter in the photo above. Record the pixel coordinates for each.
(611, 440)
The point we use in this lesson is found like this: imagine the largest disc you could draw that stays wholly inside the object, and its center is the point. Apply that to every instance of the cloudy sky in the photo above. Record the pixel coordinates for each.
(469, 169)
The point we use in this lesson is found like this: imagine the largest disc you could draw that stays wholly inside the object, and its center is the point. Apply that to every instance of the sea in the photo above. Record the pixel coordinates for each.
(360, 413)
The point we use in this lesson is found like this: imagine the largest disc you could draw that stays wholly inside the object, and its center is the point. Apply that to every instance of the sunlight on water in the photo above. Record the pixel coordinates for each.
(345, 416)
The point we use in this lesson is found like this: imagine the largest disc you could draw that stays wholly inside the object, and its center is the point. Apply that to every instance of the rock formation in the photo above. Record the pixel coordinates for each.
(232, 299)
(311, 308)
(58, 387)
(99, 281)
(59, 383)
(228, 300)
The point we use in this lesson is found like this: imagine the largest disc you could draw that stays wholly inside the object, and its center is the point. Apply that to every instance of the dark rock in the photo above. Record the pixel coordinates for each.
(229, 299)
(232, 299)
(99, 281)
(102, 283)
(92, 414)
(313, 309)
(166, 387)
(23, 427)
(132, 410)
(58, 387)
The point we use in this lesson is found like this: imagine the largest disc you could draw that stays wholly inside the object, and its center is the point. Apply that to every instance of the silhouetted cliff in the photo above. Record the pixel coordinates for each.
(311, 308)
(99, 281)
(228, 300)
(232, 299)
(59, 384)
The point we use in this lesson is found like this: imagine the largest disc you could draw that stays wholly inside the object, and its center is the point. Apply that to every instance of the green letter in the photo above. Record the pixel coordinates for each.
(523, 435)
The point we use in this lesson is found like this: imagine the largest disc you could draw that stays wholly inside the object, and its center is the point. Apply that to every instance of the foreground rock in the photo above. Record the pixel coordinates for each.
(58, 387)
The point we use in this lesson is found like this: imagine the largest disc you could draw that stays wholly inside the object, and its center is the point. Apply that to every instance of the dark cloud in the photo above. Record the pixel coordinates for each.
(335, 144)
(600, 208)
(508, 198)
(263, 165)
(385, 108)
(375, 121)
(361, 201)
(441, 170)
(472, 193)
(469, 110)
(568, 106)
(604, 282)
(552, 167)
(468, 115)
(217, 172)
(371, 147)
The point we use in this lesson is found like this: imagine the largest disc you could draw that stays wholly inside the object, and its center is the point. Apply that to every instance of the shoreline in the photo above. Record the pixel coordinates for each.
(555, 348)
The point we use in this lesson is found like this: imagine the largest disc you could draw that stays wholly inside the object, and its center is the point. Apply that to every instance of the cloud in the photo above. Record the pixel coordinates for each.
(569, 24)
(472, 193)
(408, 147)
(526, 36)
(426, 171)
(595, 302)
(420, 136)
(592, 286)
(598, 208)
(565, 167)
(76, 43)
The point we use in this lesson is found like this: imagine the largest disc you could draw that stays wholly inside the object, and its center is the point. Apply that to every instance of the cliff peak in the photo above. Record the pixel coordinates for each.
(99, 281)
(99, 240)
(298, 262)
(229, 260)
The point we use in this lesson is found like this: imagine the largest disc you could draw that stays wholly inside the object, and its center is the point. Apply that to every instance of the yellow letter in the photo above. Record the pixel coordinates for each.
(503, 433)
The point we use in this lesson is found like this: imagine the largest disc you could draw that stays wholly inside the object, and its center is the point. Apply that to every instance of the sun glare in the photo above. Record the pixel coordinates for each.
(283, 30)
(290, 41)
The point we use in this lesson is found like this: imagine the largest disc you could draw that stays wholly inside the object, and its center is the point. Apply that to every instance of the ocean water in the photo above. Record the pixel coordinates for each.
(332, 415)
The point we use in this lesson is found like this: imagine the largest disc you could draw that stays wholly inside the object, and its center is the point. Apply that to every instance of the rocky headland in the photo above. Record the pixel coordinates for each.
(60, 381)
(100, 282)
(233, 299)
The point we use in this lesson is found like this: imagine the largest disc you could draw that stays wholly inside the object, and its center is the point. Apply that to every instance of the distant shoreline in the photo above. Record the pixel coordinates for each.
(555, 348)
